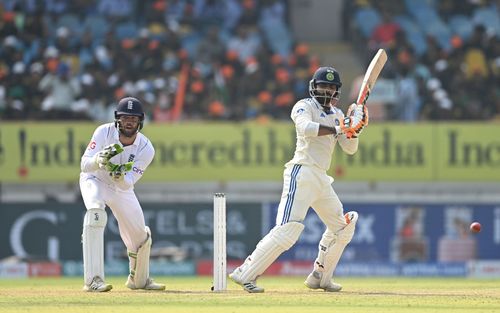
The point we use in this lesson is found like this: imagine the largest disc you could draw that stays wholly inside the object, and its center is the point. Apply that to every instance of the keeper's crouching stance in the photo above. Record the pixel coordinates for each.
(116, 158)
(319, 126)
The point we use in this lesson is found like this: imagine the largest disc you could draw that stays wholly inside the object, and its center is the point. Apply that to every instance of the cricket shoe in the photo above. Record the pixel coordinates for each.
(248, 286)
(150, 284)
(313, 282)
(97, 285)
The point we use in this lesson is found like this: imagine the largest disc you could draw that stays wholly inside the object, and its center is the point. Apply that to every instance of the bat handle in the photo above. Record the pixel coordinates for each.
(350, 134)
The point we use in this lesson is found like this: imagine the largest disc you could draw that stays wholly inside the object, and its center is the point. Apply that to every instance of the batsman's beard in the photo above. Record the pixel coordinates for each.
(326, 99)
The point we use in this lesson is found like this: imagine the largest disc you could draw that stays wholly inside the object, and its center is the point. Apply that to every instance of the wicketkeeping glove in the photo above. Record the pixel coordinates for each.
(102, 157)
(118, 171)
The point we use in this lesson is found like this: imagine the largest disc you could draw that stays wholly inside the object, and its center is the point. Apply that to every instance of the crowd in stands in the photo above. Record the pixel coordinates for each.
(185, 59)
(236, 59)
(444, 54)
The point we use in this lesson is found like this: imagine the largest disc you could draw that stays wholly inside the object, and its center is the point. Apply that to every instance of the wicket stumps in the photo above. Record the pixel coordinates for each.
(220, 280)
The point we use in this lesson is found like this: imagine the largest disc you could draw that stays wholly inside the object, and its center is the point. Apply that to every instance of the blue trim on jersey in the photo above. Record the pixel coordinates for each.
(291, 194)
(145, 145)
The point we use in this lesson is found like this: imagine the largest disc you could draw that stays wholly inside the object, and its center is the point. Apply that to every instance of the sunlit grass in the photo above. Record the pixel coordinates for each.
(283, 294)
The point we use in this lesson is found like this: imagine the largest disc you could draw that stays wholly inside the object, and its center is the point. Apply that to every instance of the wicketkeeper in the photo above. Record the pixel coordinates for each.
(116, 158)
(319, 126)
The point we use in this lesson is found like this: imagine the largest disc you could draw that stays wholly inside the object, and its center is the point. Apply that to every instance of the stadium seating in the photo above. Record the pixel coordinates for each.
(461, 25)
(488, 17)
(71, 22)
(97, 25)
(126, 30)
(436, 33)
(414, 34)
(366, 20)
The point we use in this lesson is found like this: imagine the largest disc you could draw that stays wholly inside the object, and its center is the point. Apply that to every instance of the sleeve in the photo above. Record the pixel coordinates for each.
(302, 117)
(349, 146)
(139, 168)
(97, 142)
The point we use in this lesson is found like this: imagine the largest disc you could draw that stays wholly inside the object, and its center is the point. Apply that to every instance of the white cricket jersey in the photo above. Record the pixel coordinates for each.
(141, 152)
(312, 149)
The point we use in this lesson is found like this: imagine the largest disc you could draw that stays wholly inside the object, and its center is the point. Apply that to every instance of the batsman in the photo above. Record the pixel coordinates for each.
(116, 158)
(320, 125)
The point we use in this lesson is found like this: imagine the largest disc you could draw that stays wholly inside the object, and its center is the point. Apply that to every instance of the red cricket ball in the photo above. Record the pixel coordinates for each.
(475, 227)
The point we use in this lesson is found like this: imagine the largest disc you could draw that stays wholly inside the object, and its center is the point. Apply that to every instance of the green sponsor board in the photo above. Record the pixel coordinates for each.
(45, 152)
(469, 152)
(184, 152)
(50, 152)
(388, 152)
(221, 151)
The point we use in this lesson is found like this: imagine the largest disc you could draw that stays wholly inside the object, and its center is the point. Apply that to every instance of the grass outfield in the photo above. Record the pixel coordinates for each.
(283, 294)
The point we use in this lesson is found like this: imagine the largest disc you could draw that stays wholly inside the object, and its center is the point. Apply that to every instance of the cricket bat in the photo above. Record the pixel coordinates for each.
(369, 80)
(371, 76)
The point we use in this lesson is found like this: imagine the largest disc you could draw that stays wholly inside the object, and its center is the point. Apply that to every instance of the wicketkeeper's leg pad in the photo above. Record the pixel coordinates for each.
(94, 223)
(332, 246)
(279, 239)
(139, 262)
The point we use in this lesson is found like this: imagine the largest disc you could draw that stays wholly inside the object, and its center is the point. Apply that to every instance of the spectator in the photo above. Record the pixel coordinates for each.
(61, 90)
(250, 14)
(384, 35)
(245, 43)
(209, 12)
(39, 55)
(211, 48)
(175, 11)
(408, 97)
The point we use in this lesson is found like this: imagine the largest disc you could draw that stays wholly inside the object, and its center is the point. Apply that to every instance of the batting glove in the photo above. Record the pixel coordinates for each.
(359, 118)
(346, 129)
(359, 113)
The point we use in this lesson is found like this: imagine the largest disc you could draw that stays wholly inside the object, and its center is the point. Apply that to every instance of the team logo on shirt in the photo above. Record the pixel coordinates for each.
(131, 157)
(337, 122)
(91, 145)
(299, 111)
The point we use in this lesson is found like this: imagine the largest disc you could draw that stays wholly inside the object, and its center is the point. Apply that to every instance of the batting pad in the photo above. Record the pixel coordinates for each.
(139, 269)
(279, 239)
(330, 257)
(93, 244)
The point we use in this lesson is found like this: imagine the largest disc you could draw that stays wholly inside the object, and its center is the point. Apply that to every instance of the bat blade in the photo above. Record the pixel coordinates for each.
(371, 75)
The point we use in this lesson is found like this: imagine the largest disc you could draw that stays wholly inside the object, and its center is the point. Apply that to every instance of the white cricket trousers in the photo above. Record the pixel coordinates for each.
(124, 205)
(305, 187)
